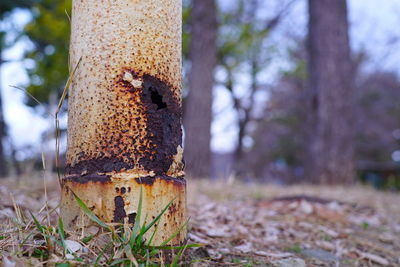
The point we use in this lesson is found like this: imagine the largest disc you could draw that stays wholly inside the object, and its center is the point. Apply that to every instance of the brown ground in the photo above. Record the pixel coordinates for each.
(256, 225)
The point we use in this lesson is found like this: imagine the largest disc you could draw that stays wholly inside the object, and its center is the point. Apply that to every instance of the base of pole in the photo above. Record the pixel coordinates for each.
(115, 200)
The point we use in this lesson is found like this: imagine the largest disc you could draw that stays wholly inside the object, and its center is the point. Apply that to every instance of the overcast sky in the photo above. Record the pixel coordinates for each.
(374, 28)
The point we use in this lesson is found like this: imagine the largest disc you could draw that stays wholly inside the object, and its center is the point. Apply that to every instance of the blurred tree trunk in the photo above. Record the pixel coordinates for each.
(3, 167)
(5, 8)
(245, 117)
(331, 102)
(198, 113)
(16, 164)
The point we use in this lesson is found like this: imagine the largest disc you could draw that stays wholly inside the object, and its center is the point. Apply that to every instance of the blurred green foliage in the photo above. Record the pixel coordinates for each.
(49, 32)
(239, 39)
(8, 5)
(186, 29)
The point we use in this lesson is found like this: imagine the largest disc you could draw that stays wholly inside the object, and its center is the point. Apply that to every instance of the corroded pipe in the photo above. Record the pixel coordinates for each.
(124, 113)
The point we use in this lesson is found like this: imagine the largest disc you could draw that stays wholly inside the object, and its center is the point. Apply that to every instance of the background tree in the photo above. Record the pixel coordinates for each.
(331, 97)
(6, 6)
(378, 131)
(278, 151)
(198, 113)
(245, 48)
(3, 166)
(283, 131)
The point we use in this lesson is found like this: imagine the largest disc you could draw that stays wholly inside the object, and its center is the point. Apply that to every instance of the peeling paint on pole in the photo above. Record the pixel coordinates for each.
(125, 112)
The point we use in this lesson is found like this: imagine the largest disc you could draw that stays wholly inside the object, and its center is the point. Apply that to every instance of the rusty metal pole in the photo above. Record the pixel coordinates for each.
(124, 113)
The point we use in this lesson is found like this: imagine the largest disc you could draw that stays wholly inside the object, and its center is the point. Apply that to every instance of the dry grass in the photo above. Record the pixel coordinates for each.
(239, 225)
(39, 239)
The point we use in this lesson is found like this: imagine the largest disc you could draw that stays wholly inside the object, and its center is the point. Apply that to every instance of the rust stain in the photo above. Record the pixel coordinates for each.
(96, 178)
(107, 179)
(124, 143)
(125, 100)
(150, 180)
(119, 212)
(132, 217)
(164, 131)
(96, 165)
(172, 208)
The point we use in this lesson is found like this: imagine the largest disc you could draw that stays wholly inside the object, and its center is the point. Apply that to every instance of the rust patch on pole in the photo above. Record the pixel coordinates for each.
(152, 147)
(124, 128)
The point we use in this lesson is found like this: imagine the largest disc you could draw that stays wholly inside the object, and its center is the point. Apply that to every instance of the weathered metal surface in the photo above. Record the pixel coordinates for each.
(115, 200)
(125, 109)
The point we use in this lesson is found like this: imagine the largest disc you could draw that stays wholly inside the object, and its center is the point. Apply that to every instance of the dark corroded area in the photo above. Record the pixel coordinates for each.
(83, 179)
(148, 180)
(97, 165)
(163, 125)
(105, 179)
(140, 129)
(132, 217)
(119, 212)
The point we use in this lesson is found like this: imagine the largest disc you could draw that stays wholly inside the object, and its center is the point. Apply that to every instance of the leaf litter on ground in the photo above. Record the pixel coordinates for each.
(238, 224)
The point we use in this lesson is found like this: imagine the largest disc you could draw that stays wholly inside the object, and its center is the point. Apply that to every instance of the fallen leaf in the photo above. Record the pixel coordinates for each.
(8, 262)
(245, 248)
(197, 238)
(329, 231)
(325, 245)
(273, 255)
(73, 246)
(217, 233)
(372, 257)
(329, 214)
(305, 207)
(291, 262)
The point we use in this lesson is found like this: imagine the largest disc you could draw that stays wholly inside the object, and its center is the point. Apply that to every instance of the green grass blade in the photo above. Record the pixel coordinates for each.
(37, 223)
(62, 235)
(128, 253)
(26, 238)
(156, 249)
(118, 262)
(140, 236)
(52, 238)
(175, 233)
(152, 236)
(87, 239)
(156, 219)
(177, 258)
(90, 213)
(176, 247)
(96, 262)
(136, 226)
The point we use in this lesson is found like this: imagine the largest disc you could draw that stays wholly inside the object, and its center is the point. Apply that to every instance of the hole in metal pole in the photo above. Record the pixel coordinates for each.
(157, 99)
(132, 217)
(119, 212)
